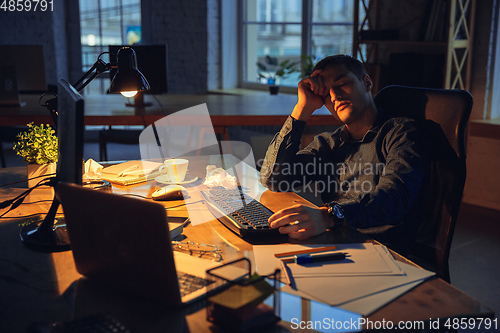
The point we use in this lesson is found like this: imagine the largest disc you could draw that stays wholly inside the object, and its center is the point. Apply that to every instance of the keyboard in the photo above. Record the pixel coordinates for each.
(239, 212)
(189, 283)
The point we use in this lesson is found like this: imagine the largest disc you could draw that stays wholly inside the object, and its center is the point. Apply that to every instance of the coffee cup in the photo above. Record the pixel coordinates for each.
(174, 169)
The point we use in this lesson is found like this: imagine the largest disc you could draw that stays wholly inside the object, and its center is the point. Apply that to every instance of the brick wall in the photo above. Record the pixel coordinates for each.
(183, 26)
(45, 28)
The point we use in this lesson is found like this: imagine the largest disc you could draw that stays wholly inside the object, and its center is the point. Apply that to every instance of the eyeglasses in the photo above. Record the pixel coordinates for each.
(205, 251)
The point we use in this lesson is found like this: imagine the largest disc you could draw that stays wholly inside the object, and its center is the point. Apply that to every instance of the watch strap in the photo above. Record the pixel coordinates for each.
(335, 211)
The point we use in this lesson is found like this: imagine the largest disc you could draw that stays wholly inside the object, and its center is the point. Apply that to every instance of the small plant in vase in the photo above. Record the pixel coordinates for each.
(39, 148)
(272, 70)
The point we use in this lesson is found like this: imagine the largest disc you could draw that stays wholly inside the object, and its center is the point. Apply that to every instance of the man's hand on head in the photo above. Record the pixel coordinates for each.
(301, 222)
(311, 93)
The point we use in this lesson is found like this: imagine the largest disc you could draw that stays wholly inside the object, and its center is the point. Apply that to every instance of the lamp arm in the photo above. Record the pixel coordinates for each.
(78, 87)
(77, 83)
(99, 67)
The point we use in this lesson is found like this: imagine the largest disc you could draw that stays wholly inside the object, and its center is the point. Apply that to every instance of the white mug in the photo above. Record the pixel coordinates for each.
(174, 169)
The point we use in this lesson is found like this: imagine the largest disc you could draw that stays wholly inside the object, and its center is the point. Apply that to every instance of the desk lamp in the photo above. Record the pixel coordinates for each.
(128, 80)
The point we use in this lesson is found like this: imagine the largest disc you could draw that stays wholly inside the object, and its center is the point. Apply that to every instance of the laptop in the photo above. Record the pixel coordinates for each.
(125, 243)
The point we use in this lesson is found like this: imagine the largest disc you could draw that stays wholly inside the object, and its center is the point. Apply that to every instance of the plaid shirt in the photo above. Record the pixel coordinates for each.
(375, 180)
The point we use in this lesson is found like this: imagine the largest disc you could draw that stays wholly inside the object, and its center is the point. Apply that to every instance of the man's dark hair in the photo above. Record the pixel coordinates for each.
(353, 65)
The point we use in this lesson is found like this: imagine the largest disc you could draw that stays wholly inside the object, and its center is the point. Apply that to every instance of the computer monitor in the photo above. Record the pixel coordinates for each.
(152, 62)
(29, 64)
(70, 129)
(70, 126)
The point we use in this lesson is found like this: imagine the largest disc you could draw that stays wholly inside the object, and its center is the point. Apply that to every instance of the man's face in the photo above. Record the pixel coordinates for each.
(346, 97)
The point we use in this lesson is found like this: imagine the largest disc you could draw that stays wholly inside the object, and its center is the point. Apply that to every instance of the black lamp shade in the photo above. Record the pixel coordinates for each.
(128, 77)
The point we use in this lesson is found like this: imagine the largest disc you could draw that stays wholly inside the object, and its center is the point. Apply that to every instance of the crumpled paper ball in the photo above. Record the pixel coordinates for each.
(91, 171)
(219, 177)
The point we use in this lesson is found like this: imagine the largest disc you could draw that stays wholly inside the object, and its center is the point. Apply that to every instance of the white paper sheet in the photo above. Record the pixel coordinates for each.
(363, 259)
(367, 305)
(342, 289)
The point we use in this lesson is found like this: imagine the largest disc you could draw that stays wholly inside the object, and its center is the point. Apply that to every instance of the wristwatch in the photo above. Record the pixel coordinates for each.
(335, 211)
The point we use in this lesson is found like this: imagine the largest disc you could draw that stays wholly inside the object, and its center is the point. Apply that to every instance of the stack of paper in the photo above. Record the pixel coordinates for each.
(366, 280)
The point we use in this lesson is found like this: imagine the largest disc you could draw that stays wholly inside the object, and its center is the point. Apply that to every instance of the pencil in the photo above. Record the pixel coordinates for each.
(315, 250)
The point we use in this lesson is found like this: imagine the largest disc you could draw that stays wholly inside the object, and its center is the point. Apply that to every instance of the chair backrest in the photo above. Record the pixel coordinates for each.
(445, 114)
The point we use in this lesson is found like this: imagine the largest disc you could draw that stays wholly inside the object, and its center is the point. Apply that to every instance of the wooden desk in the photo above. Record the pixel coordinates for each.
(40, 287)
(259, 109)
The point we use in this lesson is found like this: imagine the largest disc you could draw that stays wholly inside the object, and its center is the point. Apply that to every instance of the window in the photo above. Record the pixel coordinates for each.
(286, 29)
(103, 23)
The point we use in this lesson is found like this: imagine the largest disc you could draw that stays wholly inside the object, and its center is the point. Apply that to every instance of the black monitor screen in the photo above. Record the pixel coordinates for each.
(152, 62)
(29, 65)
(70, 128)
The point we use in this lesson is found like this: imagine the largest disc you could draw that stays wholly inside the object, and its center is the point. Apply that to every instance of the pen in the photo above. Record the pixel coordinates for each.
(314, 250)
(337, 256)
(128, 170)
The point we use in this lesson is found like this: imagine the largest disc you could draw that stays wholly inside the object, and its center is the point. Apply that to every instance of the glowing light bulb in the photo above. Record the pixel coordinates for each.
(128, 93)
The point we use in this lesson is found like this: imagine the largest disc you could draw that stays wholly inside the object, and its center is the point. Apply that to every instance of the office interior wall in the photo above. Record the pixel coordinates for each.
(223, 43)
(483, 178)
(483, 161)
(494, 61)
(229, 44)
(74, 46)
(45, 28)
(481, 50)
(60, 41)
(214, 45)
(183, 26)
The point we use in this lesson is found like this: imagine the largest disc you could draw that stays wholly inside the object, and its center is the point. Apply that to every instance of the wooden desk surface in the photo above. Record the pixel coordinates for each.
(42, 287)
(257, 109)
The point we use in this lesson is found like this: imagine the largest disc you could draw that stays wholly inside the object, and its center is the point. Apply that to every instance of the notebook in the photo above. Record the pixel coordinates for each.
(124, 242)
(141, 171)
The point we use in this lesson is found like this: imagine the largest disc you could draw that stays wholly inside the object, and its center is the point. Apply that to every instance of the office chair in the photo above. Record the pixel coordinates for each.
(445, 114)
(127, 137)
